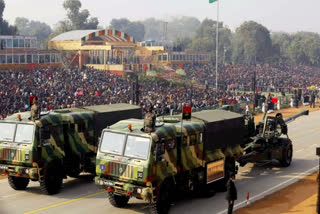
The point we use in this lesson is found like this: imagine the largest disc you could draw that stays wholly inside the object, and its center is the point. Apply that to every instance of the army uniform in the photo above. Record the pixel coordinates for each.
(149, 122)
(231, 195)
(35, 112)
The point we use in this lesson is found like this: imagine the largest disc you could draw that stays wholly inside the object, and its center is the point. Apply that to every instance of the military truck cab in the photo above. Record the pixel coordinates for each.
(59, 144)
(179, 156)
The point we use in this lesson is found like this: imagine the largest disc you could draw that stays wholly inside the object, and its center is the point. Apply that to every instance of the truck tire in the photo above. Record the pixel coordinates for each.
(51, 182)
(118, 200)
(163, 203)
(286, 156)
(18, 183)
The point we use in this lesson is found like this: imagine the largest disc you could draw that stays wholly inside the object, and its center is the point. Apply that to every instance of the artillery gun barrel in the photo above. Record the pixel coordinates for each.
(289, 119)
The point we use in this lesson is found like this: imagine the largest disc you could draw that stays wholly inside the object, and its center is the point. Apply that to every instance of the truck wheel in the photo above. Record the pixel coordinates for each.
(51, 182)
(18, 183)
(118, 200)
(286, 156)
(163, 202)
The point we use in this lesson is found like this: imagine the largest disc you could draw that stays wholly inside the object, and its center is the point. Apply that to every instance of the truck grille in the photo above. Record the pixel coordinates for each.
(119, 170)
(12, 155)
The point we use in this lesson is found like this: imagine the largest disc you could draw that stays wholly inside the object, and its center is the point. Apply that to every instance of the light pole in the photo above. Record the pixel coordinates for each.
(318, 203)
(217, 45)
(224, 54)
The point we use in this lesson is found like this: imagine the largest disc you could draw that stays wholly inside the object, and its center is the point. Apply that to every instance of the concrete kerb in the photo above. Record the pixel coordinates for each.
(273, 189)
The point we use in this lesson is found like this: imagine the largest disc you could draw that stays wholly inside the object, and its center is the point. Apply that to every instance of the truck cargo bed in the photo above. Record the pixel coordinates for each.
(223, 128)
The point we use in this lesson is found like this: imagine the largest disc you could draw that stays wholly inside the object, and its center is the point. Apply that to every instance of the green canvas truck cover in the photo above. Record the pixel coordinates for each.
(223, 128)
(107, 115)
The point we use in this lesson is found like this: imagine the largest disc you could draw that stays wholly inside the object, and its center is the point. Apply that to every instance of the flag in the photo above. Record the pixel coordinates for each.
(186, 112)
(212, 1)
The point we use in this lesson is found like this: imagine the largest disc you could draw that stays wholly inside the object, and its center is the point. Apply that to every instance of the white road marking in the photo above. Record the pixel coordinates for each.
(272, 189)
(300, 150)
(314, 145)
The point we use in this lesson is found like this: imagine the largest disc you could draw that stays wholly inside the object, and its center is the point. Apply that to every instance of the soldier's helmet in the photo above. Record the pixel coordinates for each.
(279, 115)
(35, 100)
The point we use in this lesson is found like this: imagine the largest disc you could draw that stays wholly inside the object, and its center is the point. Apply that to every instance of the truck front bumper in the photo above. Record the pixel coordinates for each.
(121, 188)
(19, 171)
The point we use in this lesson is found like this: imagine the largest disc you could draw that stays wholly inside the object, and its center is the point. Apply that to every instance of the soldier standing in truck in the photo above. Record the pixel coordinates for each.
(149, 121)
(35, 110)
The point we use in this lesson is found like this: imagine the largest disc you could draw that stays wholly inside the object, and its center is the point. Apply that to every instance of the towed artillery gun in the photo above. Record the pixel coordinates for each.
(270, 141)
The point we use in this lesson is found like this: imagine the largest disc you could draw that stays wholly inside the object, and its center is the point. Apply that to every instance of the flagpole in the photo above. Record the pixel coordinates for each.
(217, 45)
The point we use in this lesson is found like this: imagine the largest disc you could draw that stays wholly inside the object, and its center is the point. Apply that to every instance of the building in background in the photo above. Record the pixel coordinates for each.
(23, 52)
(115, 51)
(108, 50)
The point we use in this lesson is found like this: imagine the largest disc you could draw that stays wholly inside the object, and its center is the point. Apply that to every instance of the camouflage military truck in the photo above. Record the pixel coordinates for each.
(189, 156)
(59, 144)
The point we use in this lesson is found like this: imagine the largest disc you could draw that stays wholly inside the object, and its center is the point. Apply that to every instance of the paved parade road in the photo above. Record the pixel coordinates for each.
(81, 196)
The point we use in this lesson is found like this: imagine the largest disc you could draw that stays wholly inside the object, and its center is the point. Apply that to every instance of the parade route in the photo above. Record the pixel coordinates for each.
(298, 198)
(82, 196)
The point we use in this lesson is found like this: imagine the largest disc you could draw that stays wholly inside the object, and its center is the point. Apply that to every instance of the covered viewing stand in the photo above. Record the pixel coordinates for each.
(108, 50)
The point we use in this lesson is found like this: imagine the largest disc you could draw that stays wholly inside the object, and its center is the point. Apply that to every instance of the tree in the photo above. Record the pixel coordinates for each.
(252, 43)
(153, 29)
(280, 43)
(181, 44)
(205, 39)
(135, 29)
(177, 27)
(182, 27)
(33, 28)
(77, 20)
(5, 28)
(305, 48)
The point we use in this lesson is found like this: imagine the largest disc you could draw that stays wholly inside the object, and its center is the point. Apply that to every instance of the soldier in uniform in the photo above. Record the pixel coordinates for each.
(313, 100)
(35, 110)
(281, 125)
(149, 121)
(231, 192)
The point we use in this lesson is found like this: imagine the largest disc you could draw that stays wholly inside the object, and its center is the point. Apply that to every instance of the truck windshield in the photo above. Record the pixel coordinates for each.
(7, 131)
(24, 133)
(112, 143)
(137, 147)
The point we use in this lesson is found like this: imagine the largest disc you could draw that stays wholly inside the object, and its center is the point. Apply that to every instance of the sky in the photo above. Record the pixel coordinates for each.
(276, 15)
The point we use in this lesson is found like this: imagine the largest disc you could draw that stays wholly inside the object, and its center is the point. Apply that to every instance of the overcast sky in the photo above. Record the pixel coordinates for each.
(276, 15)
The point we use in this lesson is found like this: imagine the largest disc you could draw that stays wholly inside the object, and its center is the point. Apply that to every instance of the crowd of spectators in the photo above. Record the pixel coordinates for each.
(66, 88)
(268, 77)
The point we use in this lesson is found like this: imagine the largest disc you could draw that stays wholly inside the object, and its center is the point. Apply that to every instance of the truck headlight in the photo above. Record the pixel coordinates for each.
(139, 191)
(108, 183)
(3, 167)
(27, 171)
(101, 182)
